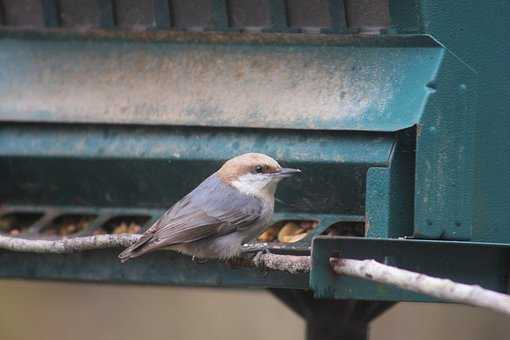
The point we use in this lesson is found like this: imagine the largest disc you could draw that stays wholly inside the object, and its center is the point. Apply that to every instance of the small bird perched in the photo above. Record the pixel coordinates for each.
(229, 208)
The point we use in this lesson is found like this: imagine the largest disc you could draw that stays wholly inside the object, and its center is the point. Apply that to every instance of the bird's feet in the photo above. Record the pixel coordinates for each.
(198, 260)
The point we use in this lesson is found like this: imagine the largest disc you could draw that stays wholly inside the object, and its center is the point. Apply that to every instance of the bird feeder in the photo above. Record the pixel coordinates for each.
(109, 116)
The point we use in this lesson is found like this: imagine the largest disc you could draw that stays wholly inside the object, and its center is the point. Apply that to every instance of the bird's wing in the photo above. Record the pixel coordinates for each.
(212, 209)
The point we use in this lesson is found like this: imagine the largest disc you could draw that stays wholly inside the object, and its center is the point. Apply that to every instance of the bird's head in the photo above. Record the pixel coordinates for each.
(254, 174)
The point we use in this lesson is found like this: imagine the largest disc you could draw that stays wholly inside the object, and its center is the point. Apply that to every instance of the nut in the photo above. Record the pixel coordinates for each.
(270, 234)
(14, 232)
(124, 228)
(120, 229)
(290, 232)
(134, 228)
(293, 238)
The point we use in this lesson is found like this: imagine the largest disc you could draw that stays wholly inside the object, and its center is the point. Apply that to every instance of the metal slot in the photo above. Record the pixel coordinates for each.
(346, 228)
(249, 15)
(337, 17)
(162, 12)
(77, 14)
(192, 15)
(128, 224)
(368, 16)
(50, 13)
(313, 14)
(17, 223)
(278, 16)
(2, 14)
(308, 16)
(141, 15)
(27, 13)
(288, 231)
(220, 16)
(106, 17)
(68, 224)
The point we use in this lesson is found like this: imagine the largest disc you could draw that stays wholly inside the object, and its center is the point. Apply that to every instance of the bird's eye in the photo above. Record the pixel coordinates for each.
(259, 169)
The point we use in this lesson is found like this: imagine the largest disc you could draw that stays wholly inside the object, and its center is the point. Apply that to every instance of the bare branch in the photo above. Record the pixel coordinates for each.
(68, 245)
(365, 269)
(289, 263)
(424, 284)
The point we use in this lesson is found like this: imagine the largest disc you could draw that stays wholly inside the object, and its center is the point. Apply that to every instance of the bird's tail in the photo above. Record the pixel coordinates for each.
(136, 249)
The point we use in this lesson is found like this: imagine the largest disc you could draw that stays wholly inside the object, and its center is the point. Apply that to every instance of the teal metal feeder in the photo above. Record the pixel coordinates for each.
(397, 120)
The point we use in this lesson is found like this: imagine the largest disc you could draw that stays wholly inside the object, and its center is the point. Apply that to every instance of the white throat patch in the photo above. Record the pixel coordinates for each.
(256, 185)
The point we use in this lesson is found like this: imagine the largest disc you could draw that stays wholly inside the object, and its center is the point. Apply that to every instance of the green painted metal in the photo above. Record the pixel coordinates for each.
(116, 171)
(390, 193)
(444, 156)
(478, 35)
(485, 264)
(461, 159)
(406, 132)
(153, 167)
(163, 267)
(460, 172)
(334, 83)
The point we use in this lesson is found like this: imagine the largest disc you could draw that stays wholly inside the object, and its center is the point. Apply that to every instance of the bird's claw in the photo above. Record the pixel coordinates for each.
(198, 260)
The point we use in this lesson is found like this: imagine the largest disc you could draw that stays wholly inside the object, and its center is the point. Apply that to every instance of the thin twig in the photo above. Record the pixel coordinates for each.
(68, 245)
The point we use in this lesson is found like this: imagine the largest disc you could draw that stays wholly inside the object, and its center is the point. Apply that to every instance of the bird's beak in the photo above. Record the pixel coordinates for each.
(287, 172)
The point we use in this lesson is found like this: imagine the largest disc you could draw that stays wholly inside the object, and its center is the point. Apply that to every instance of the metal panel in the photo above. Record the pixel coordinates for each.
(156, 166)
(390, 193)
(163, 267)
(239, 81)
(477, 34)
(468, 262)
(444, 156)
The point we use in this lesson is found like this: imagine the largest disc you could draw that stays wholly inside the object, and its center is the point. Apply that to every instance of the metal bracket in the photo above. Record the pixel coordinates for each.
(485, 264)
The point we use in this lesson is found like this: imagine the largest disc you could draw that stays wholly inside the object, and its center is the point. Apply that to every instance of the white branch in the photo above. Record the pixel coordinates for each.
(424, 284)
(288, 263)
(68, 245)
(365, 269)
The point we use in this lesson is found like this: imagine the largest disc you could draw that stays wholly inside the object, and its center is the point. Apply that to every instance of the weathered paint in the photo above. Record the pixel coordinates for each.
(285, 85)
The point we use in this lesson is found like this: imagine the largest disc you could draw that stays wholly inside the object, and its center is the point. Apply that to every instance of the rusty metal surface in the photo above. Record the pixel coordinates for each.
(218, 80)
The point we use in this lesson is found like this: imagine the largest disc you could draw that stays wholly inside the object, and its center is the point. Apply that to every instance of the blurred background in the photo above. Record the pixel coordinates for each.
(48, 310)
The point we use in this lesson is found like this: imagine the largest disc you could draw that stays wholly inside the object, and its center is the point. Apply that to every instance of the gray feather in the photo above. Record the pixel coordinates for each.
(211, 210)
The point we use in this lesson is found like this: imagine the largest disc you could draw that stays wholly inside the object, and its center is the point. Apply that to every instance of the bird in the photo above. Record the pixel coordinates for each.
(229, 208)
